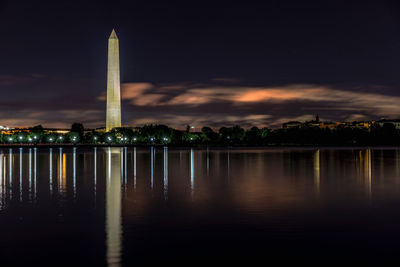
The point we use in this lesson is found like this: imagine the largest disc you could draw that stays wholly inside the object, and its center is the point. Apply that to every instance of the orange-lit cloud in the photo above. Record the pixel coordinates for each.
(203, 104)
(130, 90)
(133, 90)
(239, 95)
(147, 100)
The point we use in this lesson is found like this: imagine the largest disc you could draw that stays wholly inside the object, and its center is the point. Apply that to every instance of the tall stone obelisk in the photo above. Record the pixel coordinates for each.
(113, 117)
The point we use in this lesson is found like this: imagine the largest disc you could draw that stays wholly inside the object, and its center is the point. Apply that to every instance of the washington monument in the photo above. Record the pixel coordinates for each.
(113, 116)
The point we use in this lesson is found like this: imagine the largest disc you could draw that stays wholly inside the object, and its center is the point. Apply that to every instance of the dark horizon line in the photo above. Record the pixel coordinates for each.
(5, 128)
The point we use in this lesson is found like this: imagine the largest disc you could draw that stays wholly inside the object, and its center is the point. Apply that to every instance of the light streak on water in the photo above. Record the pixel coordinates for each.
(165, 173)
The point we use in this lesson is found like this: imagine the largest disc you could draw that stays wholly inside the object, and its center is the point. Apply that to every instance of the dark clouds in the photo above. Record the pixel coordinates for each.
(221, 101)
(215, 104)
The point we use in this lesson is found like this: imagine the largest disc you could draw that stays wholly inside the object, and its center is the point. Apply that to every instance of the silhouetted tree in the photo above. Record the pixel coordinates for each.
(78, 128)
(38, 129)
(253, 136)
(208, 135)
(238, 134)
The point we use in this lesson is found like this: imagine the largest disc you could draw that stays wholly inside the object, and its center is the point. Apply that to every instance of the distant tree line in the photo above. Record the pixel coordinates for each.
(225, 136)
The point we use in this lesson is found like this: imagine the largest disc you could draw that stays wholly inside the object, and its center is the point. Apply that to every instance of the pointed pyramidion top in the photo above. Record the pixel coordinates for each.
(113, 35)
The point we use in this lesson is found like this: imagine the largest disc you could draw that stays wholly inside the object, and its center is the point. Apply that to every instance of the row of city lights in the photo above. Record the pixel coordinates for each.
(74, 138)
(35, 138)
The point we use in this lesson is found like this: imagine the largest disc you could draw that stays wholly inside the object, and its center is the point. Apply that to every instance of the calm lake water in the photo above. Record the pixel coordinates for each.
(141, 206)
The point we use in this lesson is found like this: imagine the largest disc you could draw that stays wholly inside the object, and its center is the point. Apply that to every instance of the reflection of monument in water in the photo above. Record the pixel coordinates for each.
(113, 206)
(113, 113)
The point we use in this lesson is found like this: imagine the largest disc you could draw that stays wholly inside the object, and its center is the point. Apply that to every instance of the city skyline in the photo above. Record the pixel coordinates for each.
(252, 66)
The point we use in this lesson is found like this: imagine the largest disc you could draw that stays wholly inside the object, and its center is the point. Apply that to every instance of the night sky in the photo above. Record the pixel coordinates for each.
(200, 63)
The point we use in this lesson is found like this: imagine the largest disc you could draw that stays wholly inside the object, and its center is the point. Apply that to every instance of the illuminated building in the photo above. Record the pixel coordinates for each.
(330, 125)
(113, 113)
(362, 124)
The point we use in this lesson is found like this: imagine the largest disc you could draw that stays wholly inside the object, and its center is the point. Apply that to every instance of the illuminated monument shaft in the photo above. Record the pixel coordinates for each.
(113, 117)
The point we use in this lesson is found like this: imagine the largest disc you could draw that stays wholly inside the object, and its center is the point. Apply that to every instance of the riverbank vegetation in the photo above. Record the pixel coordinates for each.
(225, 136)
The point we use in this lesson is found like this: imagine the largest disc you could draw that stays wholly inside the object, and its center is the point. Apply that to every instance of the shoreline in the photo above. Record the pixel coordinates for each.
(212, 147)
